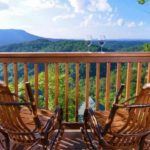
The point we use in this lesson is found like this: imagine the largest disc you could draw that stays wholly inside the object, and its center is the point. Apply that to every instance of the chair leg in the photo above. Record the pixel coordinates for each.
(55, 138)
(6, 143)
(141, 144)
(87, 139)
(30, 147)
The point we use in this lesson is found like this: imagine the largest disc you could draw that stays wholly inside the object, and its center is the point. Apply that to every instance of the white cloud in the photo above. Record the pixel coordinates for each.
(81, 6)
(131, 24)
(78, 5)
(120, 22)
(22, 7)
(110, 17)
(87, 21)
(141, 23)
(134, 24)
(63, 17)
(40, 4)
(99, 5)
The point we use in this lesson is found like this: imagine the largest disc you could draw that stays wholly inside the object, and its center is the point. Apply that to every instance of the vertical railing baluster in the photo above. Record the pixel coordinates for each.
(56, 83)
(77, 92)
(128, 78)
(16, 79)
(97, 84)
(107, 87)
(46, 86)
(5, 71)
(148, 73)
(66, 90)
(139, 75)
(118, 78)
(36, 83)
(25, 78)
(87, 84)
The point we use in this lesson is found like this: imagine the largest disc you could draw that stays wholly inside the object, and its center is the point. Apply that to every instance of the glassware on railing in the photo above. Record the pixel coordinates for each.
(88, 41)
(101, 41)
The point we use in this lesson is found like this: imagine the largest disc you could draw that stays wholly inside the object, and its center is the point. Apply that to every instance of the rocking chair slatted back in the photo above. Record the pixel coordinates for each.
(24, 124)
(138, 118)
(138, 121)
(10, 118)
(137, 124)
(126, 131)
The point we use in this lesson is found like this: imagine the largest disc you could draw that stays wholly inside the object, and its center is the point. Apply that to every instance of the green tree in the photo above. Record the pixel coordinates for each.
(142, 1)
(146, 47)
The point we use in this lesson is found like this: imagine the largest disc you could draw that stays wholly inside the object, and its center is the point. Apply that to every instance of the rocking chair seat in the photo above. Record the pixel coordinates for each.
(118, 122)
(27, 117)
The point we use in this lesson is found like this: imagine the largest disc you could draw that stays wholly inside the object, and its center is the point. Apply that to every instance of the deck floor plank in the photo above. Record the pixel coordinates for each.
(71, 140)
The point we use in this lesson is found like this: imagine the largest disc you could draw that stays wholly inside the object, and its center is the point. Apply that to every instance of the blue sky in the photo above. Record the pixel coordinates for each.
(77, 18)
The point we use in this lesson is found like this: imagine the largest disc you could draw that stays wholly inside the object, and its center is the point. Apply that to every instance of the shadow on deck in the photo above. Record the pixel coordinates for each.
(71, 140)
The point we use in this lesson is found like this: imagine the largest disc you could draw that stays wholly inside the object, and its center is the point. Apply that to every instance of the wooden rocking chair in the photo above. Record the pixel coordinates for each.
(125, 127)
(26, 125)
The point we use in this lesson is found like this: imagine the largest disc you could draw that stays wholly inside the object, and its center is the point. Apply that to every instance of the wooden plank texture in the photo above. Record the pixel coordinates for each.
(46, 90)
(148, 73)
(5, 72)
(139, 75)
(77, 92)
(16, 79)
(36, 83)
(66, 90)
(87, 84)
(25, 78)
(107, 93)
(118, 77)
(128, 80)
(97, 84)
(56, 83)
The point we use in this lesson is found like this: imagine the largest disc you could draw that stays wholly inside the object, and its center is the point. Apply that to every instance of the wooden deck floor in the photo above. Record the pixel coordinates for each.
(71, 140)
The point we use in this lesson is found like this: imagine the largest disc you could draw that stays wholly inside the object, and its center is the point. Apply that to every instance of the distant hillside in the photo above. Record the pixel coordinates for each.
(9, 36)
(51, 45)
(46, 45)
(126, 45)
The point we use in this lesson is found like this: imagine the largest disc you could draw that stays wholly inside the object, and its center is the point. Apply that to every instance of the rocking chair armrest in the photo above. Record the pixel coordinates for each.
(14, 103)
(132, 105)
(138, 106)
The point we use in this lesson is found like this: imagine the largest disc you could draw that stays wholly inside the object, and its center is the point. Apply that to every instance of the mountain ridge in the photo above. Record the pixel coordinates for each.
(11, 36)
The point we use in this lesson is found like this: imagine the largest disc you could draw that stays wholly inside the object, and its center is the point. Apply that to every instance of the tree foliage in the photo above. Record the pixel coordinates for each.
(142, 1)
(146, 47)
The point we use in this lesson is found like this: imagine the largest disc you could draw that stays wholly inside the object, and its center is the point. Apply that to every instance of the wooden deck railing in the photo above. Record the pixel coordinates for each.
(119, 59)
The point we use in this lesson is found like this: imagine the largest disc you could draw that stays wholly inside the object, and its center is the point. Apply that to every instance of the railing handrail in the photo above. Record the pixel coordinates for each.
(43, 57)
(77, 53)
